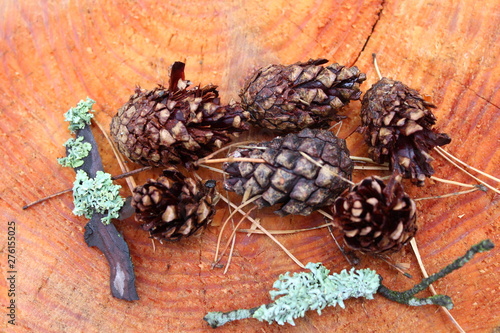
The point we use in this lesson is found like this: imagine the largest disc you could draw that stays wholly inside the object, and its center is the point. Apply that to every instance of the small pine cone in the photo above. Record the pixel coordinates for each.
(302, 95)
(289, 176)
(375, 217)
(397, 125)
(162, 126)
(174, 206)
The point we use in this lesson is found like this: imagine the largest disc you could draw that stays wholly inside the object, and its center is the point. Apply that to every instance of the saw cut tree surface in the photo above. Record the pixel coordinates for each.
(55, 53)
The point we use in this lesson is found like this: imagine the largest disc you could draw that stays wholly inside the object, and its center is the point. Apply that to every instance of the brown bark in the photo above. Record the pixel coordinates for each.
(54, 54)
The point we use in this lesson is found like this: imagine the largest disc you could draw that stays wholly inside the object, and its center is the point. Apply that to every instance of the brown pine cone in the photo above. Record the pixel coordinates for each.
(288, 176)
(161, 126)
(174, 206)
(375, 217)
(302, 95)
(397, 124)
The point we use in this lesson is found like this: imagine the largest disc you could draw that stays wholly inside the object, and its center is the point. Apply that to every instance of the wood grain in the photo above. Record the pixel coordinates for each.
(54, 53)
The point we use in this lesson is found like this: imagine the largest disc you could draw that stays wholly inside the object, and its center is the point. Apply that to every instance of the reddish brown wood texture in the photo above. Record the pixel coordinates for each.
(54, 53)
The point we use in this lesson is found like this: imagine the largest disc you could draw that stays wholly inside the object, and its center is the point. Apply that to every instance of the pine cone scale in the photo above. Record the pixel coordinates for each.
(159, 126)
(397, 124)
(375, 217)
(289, 177)
(290, 98)
(173, 206)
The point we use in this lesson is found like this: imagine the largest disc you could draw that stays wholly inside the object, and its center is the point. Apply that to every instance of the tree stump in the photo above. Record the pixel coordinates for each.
(54, 54)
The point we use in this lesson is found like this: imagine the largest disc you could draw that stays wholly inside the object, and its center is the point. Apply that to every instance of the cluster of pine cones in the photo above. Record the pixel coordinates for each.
(305, 169)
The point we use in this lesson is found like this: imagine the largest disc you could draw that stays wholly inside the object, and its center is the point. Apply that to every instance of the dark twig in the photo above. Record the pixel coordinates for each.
(123, 175)
(47, 198)
(407, 297)
(106, 237)
(316, 290)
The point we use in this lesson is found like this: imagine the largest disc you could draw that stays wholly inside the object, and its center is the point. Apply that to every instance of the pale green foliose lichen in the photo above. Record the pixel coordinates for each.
(80, 116)
(315, 290)
(77, 151)
(98, 195)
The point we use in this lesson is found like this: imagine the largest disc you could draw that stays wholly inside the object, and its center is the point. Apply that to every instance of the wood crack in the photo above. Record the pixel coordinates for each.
(379, 15)
(477, 94)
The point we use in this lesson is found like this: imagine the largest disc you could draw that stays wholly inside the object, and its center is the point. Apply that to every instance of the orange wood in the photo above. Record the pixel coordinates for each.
(54, 53)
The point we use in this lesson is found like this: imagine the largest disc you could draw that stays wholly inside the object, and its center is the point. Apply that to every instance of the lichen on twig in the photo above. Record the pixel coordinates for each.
(96, 195)
(295, 294)
(76, 151)
(80, 116)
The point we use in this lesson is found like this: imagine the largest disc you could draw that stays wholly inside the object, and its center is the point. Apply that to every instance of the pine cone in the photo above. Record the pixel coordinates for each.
(375, 217)
(163, 126)
(288, 176)
(174, 206)
(397, 125)
(302, 95)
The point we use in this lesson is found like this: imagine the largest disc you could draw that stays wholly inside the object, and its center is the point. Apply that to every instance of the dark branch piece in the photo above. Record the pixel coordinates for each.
(111, 243)
(407, 297)
(106, 237)
(177, 73)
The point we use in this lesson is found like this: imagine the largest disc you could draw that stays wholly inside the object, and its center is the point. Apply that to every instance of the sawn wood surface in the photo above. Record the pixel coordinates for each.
(55, 53)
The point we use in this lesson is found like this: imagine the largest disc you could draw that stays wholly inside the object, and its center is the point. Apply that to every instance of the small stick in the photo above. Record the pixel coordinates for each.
(230, 255)
(325, 214)
(285, 232)
(407, 297)
(466, 172)
(266, 233)
(231, 159)
(47, 198)
(214, 169)
(123, 175)
(449, 194)
(237, 144)
(330, 230)
(321, 165)
(131, 173)
(366, 159)
(232, 240)
(375, 64)
(414, 246)
(367, 167)
(130, 181)
(395, 266)
(446, 181)
(339, 124)
(342, 250)
(227, 220)
(466, 165)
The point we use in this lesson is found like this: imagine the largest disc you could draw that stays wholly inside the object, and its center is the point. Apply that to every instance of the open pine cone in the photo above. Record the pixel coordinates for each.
(174, 206)
(375, 217)
(290, 98)
(397, 124)
(162, 126)
(300, 171)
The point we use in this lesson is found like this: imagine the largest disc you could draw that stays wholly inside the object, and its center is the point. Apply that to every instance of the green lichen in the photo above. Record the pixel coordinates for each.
(315, 290)
(80, 116)
(96, 195)
(296, 294)
(77, 150)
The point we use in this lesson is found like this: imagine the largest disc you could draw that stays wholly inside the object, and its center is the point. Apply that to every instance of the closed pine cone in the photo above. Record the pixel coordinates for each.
(302, 95)
(162, 126)
(288, 176)
(174, 206)
(397, 125)
(375, 217)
